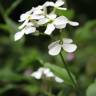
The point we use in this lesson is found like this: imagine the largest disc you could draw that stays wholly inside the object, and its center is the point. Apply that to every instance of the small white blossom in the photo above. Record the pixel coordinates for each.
(34, 13)
(55, 22)
(56, 5)
(26, 30)
(26, 17)
(66, 44)
(29, 22)
(47, 73)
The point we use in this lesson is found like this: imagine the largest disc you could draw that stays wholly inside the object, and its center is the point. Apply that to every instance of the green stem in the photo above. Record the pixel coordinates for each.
(65, 64)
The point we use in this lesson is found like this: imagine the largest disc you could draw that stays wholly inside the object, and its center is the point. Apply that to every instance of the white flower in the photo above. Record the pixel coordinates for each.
(26, 18)
(33, 14)
(29, 22)
(55, 22)
(47, 73)
(42, 71)
(66, 44)
(26, 30)
(57, 4)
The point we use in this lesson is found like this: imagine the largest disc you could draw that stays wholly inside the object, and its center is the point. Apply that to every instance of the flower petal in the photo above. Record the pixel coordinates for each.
(18, 35)
(48, 3)
(55, 50)
(67, 40)
(53, 44)
(60, 26)
(59, 3)
(37, 74)
(73, 23)
(28, 30)
(51, 16)
(43, 21)
(60, 22)
(69, 47)
(50, 28)
(37, 17)
(23, 17)
(36, 12)
(59, 80)
(48, 73)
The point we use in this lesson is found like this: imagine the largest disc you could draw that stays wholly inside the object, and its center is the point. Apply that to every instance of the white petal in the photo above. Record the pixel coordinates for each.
(50, 28)
(73, 23)
(37, 12)
(60, 26)
(59, 80)
(43, 21)
(55, 50)
(48, 73)
(60, 22)
(23, 17)
(23, 25)
(46, 4)
(59, 3)
(38, 8)
(53, 44)
(51, 16)
(37, 74)
(28, 30)
(67, 40)
(37, 17)
(18, 35)
(30, 24)
(69, 47)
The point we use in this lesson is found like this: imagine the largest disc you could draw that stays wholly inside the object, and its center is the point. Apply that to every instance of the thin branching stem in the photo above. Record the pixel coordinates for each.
(65, 64)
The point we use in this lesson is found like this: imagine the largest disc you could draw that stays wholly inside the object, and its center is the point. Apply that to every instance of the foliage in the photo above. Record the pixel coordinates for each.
(19, 59)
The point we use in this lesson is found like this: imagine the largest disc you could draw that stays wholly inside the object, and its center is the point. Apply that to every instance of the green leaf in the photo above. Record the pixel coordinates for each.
(12, 7)
(11, 25)
(61, 72)
(4, 27)
(91, 91)
(32, 88)
(69, 13)
(86, 33)
(6, 74)
(6, 88)
(28, 58)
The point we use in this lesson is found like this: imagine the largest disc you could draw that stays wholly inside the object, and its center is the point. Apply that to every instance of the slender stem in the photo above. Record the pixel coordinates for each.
(65, 64)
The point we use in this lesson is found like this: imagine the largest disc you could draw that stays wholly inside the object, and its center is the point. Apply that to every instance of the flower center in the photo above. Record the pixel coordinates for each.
(29, 17)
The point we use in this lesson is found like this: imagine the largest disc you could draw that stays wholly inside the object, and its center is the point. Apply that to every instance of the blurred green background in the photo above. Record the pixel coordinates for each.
(19, 59)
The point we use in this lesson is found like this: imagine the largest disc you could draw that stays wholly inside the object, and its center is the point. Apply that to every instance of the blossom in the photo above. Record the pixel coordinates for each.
(66, 44)
(55, 22)
(56, 5)
(26, 17)
(47, 73)
(26, 30)
(29, 22)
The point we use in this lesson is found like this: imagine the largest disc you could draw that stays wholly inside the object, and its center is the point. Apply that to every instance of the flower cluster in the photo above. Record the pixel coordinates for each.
(38, 16)
(46, 73)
